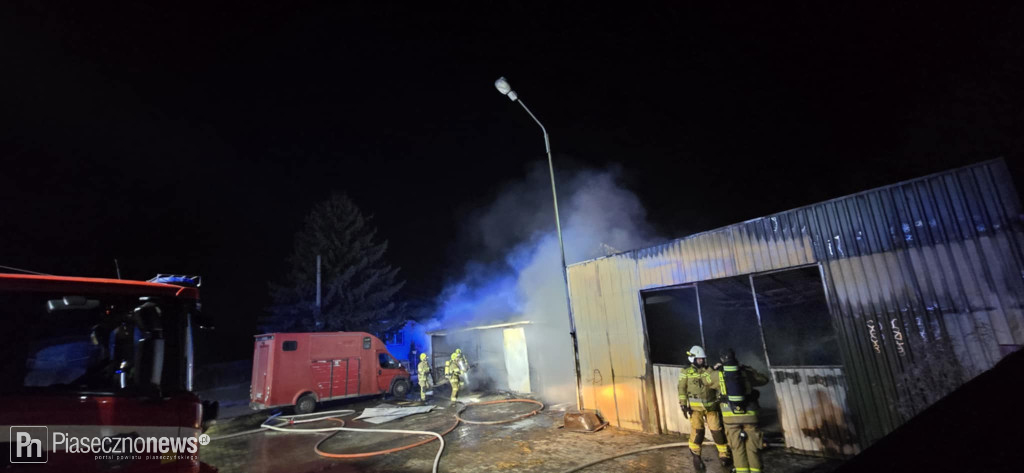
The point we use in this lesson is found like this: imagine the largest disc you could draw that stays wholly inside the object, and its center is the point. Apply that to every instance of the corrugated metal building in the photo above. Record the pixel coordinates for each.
(865, 309)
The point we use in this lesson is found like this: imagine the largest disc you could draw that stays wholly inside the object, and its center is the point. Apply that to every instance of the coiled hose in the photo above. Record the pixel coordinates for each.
(496, 422)
(330, 415)
(277, 422)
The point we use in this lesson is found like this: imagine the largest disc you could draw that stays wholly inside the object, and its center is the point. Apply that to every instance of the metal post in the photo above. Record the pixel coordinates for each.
(565, 274)
(117, 267)
(318, 310)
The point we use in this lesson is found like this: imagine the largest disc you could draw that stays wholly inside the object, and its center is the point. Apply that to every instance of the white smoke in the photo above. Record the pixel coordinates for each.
(518, 276)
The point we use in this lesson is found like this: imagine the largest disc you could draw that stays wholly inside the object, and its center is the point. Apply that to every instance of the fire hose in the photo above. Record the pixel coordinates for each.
(631, 452)
(329, 415)
(278, 422)
(496, 422)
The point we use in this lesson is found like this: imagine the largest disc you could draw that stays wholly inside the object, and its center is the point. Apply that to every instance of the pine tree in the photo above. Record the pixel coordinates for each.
(358, 286)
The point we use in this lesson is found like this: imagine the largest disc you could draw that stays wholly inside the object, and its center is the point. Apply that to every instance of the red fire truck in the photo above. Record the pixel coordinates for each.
(301, 369)
(102, 366)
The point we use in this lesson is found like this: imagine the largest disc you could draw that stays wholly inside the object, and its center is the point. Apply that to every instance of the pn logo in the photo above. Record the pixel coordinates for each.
(29, 444)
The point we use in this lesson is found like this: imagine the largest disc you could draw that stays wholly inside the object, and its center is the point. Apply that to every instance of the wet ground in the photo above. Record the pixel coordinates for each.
(233, 399)
(534, 444)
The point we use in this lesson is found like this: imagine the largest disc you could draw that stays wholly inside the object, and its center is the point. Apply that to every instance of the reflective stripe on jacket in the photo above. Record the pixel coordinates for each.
(696, 389)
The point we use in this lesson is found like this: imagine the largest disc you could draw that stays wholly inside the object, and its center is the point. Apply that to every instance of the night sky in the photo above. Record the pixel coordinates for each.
(193, 139)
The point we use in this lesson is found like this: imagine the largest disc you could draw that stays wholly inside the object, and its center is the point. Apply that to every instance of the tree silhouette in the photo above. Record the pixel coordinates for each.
(358, 285)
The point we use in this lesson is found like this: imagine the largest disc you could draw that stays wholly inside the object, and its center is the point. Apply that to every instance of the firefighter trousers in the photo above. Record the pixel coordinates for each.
(713, 422)
(455, 387)
(746, 456)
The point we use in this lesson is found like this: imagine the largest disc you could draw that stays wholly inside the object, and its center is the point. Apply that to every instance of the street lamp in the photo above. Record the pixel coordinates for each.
(506, 89)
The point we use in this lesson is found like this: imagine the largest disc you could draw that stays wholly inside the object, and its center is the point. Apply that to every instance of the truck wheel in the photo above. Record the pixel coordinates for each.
(400, 388)
(305, 404)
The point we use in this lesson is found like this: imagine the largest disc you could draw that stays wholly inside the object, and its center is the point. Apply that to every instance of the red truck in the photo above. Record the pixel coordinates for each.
(96, 372)
(302, 369)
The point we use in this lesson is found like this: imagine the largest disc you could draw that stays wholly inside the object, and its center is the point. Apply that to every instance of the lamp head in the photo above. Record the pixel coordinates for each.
(505, 88)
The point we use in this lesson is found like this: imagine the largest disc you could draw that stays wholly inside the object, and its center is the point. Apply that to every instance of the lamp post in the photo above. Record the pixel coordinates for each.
(506, 89)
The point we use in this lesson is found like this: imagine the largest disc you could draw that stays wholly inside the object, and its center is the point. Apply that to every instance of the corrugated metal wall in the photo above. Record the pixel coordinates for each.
(611, 338)
(924, 281)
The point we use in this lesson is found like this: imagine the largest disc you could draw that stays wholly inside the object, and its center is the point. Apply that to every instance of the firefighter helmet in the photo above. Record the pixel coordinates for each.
(695, 352)
(423, 357)
(458, 351)
(455, 356)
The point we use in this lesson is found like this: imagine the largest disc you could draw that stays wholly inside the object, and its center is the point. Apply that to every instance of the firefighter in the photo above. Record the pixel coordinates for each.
(454, 374)
(424, 376)
(738, 403)
(698, 398)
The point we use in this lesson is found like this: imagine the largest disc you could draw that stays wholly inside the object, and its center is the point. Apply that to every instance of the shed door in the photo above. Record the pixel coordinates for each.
(806, 369)
(259, 371)
(517, 363)
(440, 353)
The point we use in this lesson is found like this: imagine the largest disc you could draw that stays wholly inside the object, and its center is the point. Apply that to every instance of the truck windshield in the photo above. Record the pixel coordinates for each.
(109, 344)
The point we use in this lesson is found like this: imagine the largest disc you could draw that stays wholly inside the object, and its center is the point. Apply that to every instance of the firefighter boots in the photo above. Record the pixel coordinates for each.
(698, 463)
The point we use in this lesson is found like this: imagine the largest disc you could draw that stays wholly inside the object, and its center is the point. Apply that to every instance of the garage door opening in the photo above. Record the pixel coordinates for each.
(777, 323)
(729, 318)
(803, 352)
(673, 324)
(715, 314)
(672, 321)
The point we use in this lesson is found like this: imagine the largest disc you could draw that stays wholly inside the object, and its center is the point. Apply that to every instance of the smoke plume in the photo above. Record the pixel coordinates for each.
(516, 275)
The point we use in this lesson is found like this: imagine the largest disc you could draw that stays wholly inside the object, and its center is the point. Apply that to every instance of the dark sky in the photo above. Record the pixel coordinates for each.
(192, 139)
